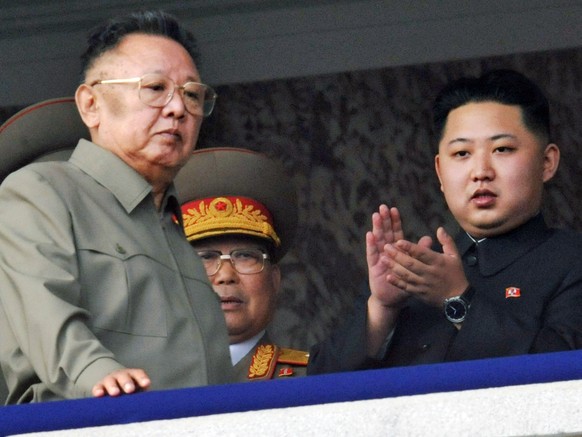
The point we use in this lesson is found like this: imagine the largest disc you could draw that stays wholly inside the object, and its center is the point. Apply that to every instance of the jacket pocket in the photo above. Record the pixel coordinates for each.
(124, 290)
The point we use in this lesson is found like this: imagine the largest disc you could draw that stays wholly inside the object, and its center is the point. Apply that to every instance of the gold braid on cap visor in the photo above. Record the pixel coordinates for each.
(227, 215)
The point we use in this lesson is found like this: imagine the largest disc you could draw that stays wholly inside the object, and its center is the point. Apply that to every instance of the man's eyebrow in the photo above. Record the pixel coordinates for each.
(458, 140)
(496, 137)
(502, 136)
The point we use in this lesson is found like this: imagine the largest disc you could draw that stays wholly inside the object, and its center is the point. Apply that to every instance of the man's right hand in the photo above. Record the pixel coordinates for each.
(386, 229)
(386, 299)
(122, 381)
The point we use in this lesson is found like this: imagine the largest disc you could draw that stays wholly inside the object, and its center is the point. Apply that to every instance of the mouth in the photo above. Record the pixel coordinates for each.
(172, 134)
(483, 198)
(230, 302)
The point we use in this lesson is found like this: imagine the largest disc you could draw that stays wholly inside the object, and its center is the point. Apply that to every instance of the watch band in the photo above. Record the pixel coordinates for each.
(467, 295)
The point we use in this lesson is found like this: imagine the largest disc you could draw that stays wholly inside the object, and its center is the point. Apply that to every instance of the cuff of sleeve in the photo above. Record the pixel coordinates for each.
(94, 373)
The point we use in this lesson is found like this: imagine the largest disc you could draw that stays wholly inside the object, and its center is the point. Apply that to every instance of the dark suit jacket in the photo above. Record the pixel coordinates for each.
(527, 298)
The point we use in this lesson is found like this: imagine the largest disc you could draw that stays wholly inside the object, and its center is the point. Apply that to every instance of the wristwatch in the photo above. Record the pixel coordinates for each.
(457, 307)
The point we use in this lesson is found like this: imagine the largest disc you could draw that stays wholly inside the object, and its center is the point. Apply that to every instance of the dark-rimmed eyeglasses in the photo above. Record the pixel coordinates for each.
(156, 90)
(244, 261)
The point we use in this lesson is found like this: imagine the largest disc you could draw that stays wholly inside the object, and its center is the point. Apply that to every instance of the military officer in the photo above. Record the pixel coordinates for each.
(240, 216)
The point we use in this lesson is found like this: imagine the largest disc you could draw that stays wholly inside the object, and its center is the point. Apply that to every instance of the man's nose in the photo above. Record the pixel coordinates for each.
(226, 273)
(483, 167)
(175, 107)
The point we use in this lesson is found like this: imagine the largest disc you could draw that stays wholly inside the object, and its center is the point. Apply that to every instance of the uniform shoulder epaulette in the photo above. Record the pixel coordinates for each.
(293, 356)
(267, 356)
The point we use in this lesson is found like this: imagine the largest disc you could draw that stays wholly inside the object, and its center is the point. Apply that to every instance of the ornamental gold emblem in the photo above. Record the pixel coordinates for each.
(261, 362)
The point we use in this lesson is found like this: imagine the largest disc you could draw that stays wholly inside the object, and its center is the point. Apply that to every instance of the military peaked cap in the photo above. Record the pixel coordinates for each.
(226, 190)
(48, 130)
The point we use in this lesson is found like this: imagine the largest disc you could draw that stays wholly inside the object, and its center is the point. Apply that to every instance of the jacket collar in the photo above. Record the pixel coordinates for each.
(127, 185)
(496, 253)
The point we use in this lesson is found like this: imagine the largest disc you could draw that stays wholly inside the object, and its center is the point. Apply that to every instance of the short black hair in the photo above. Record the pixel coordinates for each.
(108, 35)
(505, 86)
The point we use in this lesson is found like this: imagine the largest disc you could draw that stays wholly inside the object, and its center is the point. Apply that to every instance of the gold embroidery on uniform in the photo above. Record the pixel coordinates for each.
(202, 219)
(261, 361)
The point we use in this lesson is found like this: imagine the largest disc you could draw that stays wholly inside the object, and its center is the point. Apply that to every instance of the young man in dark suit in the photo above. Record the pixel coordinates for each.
(507, 284)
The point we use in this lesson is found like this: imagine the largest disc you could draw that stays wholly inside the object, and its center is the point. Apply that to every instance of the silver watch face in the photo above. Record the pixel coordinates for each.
(455, 309)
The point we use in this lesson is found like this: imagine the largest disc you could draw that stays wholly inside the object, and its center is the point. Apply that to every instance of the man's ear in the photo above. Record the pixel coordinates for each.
(551, 161)
(276, 277)
(87, 105)
(437, 167)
